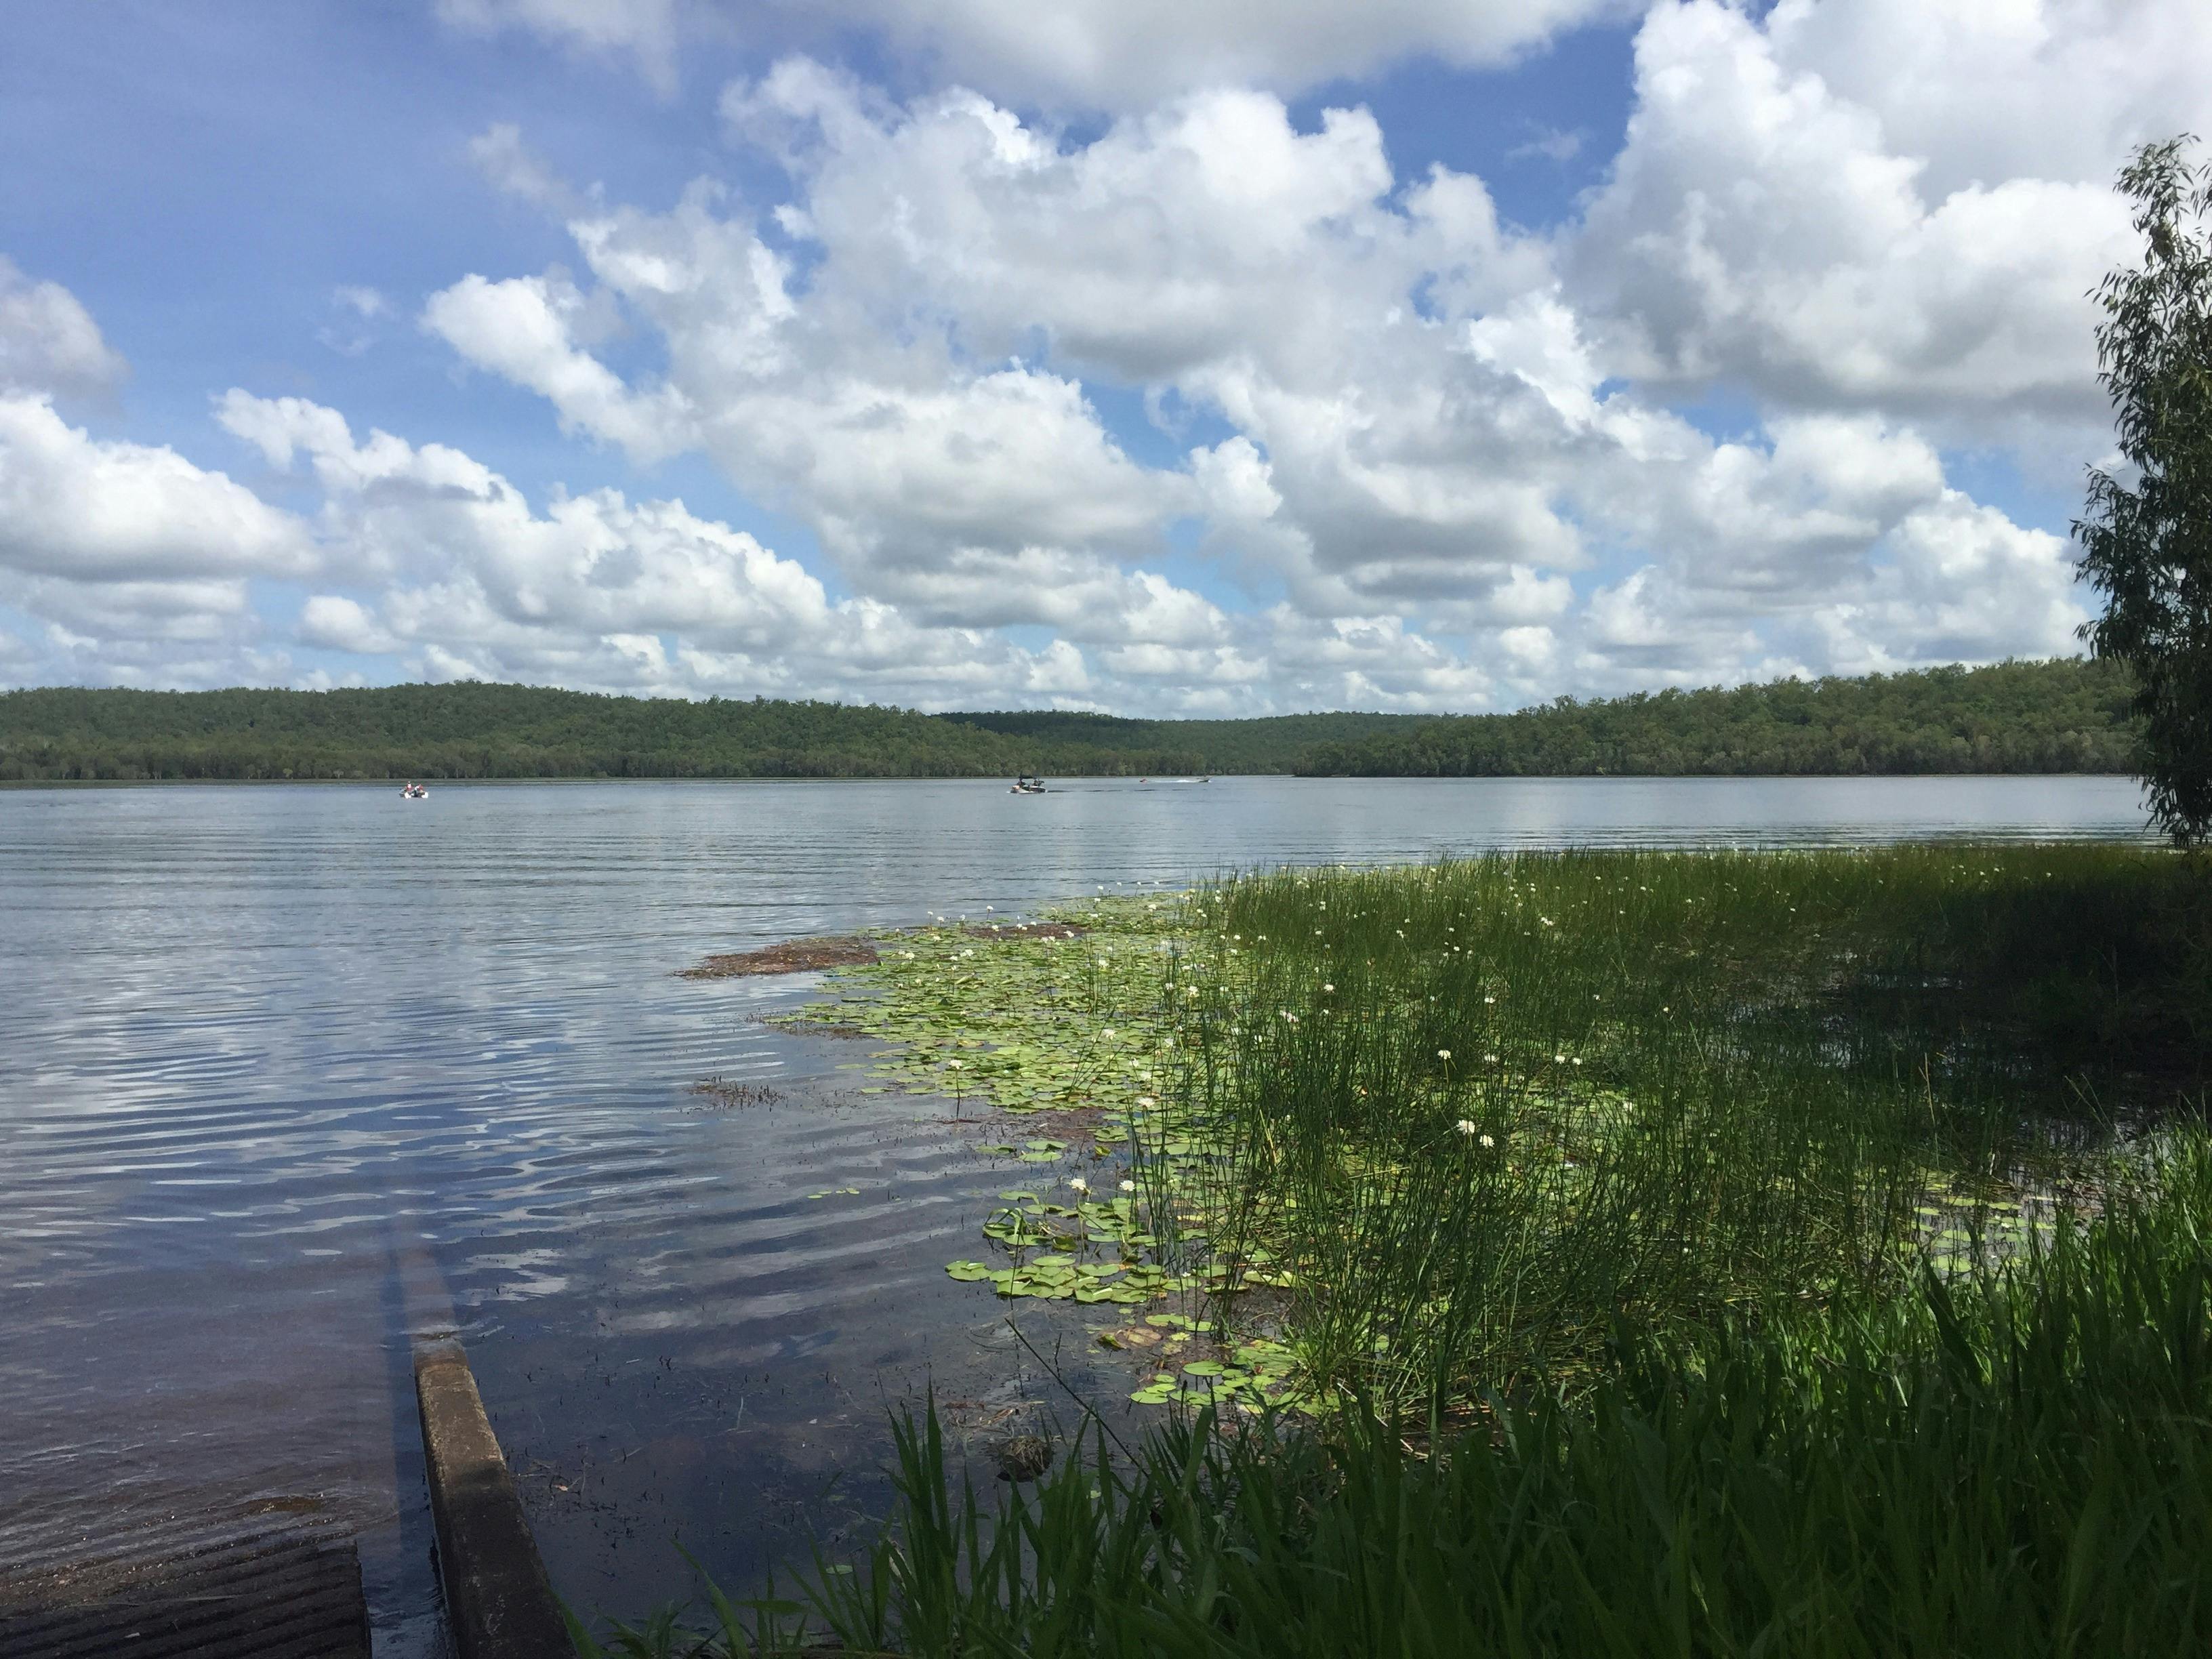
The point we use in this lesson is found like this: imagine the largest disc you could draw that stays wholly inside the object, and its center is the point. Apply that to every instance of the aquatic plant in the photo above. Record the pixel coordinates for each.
(1415, 1134)
(2012, 1456)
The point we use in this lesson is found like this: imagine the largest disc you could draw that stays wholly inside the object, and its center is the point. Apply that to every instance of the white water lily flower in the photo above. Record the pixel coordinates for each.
(1147, 1100)
(955, 1064)
(1078, 1183)
(1107, 1034)
(1464, 1125)
(1128, 1186)
(1486, 1142)
(1443, 1053)
(1490, 998)
(1329, 990)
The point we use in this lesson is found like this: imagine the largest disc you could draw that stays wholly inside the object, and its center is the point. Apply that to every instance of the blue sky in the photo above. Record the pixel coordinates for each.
(1159, 361)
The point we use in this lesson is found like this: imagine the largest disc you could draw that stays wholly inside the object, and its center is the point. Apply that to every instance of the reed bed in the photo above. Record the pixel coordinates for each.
(2013, 1459)
(1444, 1126)
(1610, 1252)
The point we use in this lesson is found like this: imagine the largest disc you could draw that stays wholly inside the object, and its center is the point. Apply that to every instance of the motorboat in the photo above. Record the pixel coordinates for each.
(1027, 785)
(416, 792)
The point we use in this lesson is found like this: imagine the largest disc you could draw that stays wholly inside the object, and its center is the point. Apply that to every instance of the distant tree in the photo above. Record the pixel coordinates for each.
(2147, 533)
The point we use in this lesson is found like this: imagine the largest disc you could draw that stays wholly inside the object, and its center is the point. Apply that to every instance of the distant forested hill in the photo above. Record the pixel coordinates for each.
(2065, 715)
(1276, 744)
(477, 731)
(2062, 716)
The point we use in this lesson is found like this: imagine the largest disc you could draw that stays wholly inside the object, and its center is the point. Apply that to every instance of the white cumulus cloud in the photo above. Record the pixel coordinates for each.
(48, 341)
(1090, 53)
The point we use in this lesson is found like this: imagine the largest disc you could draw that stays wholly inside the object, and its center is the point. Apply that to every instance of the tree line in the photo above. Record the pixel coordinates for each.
(474, 730)
(2066, 715)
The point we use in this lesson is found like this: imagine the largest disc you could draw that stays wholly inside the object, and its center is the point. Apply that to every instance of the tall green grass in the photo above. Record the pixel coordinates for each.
(1445, 1125)
(2015, 1458)
(1625, 1253)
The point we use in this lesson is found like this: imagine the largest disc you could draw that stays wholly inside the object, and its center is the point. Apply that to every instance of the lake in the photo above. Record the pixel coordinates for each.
(288, 1070)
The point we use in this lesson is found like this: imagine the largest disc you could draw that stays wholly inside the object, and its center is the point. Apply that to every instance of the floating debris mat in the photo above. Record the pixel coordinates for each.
(293, 1594)
(796, 955)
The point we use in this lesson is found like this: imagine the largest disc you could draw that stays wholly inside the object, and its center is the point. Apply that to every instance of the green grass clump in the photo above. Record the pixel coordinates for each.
(1613, 1252)
(1417, 1135)
(2012, 1457)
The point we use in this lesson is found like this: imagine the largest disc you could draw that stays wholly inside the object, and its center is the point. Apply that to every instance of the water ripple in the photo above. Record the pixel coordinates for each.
(285, 1074)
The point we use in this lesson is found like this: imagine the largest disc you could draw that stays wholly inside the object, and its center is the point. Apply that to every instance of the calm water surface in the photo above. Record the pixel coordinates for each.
(286, 1072)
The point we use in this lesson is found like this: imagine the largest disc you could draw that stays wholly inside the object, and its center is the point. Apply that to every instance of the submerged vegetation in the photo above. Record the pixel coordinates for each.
(2013, 1459)
(1411, 1134)
(1617, 1252)
(2062, 716)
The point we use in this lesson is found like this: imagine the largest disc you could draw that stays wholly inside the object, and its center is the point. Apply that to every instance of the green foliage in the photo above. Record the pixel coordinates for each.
(2148, 546)
(2066, 715)
(1620, 1253)
(2014, 1457)
(1275, 744)
(471, 730)
(2015, 1460)
(1415, 1134)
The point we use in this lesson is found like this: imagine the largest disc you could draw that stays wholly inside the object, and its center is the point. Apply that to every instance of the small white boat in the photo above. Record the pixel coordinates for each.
(416, 792)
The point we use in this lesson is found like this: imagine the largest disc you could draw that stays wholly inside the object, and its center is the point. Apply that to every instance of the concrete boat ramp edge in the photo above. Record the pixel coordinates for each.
(215, 1586)
(498, 1600)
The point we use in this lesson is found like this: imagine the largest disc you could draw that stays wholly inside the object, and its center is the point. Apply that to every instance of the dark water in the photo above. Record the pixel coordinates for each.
(286, 1072)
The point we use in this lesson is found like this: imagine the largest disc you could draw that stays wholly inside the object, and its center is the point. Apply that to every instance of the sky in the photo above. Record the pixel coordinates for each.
(1167, 357)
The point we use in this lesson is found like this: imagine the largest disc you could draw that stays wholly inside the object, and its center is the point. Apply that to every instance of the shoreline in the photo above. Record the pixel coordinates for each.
(1071, 777)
